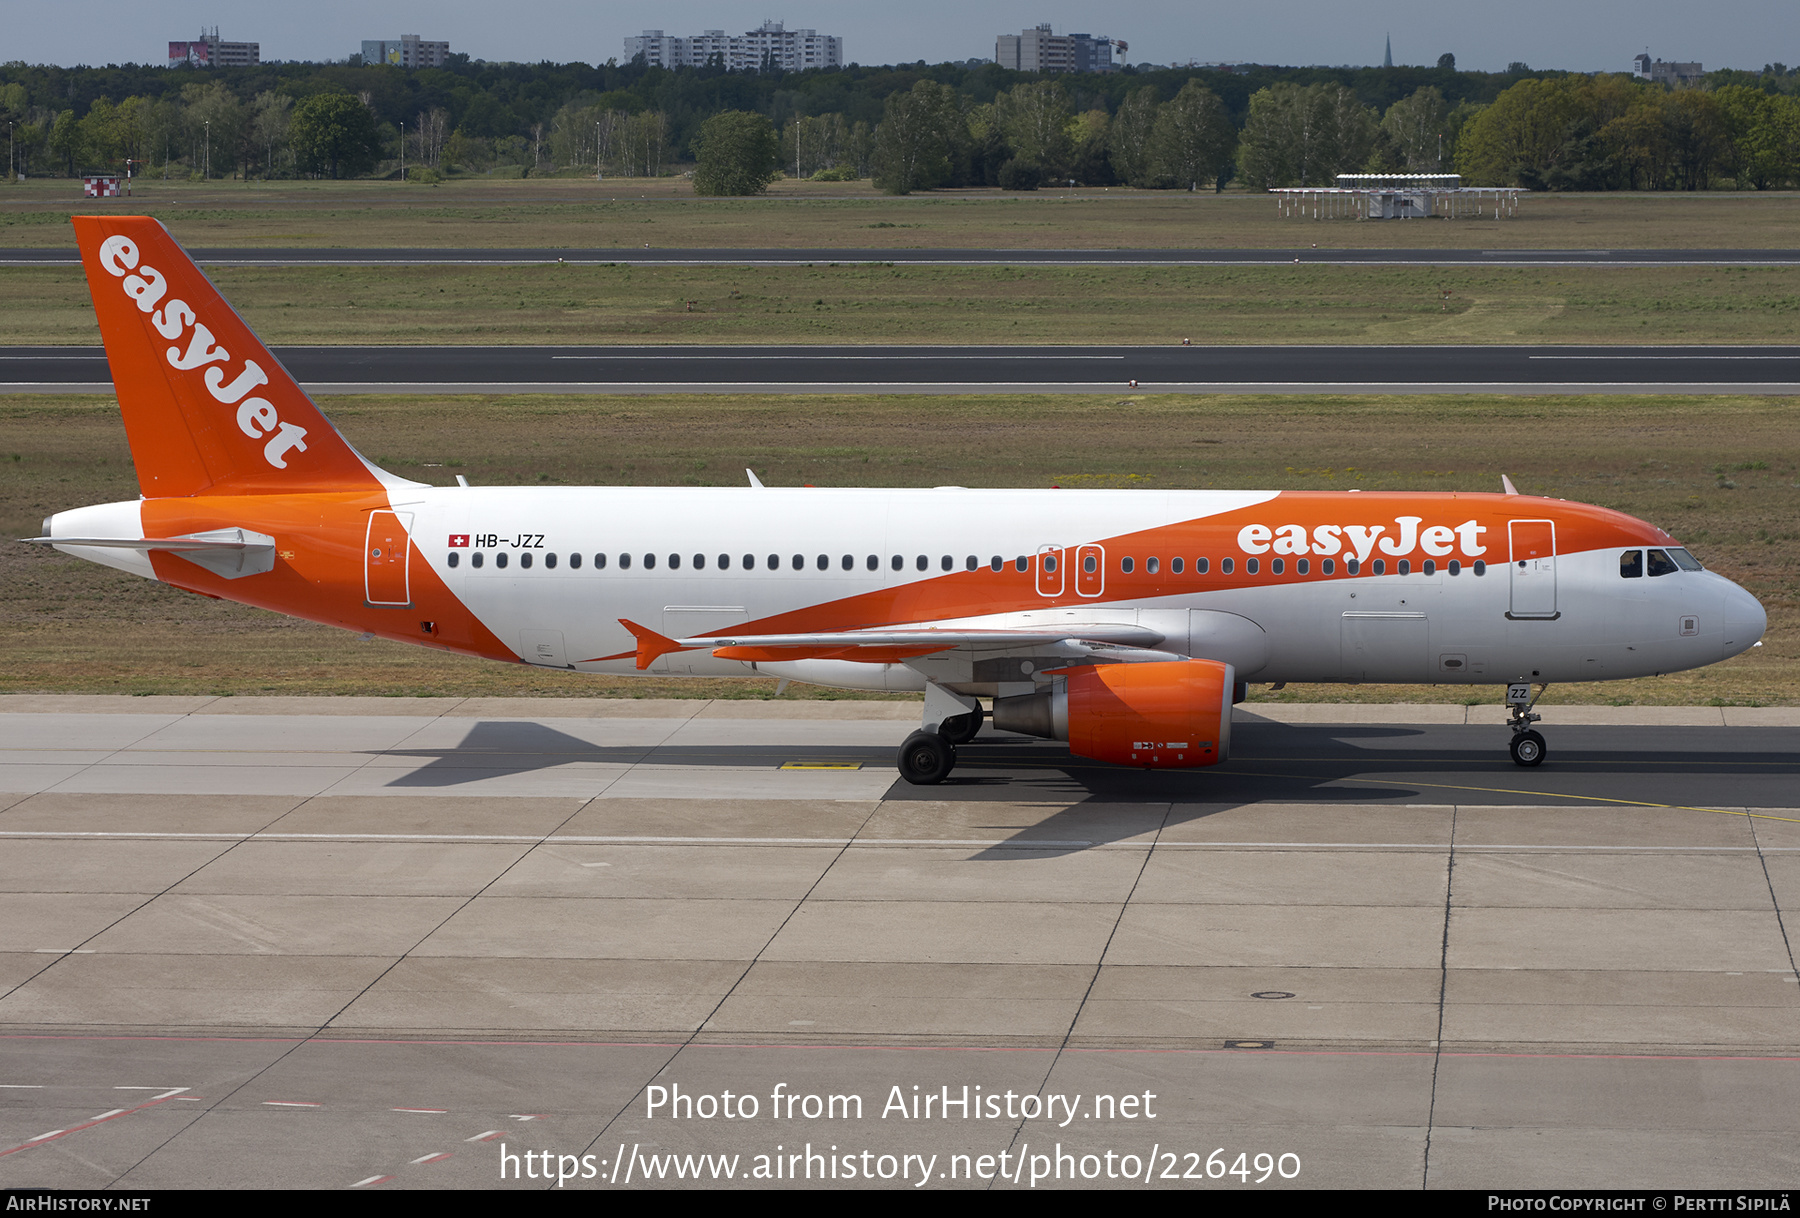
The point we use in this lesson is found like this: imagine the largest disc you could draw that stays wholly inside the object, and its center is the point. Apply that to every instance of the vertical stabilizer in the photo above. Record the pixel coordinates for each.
(207, 409)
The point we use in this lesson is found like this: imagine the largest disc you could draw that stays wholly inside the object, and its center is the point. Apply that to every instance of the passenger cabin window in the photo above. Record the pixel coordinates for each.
(500, 559)
(699, 562)
(1151, 565)
(1125, 565)
(1430, 567)
(944, 563)
(475, 560)
(599, 562)
(849, 562)
(550, 562)
(971, 562)
(922, 563)
(1302, 566)
(575, 562)
(525, 560)
(1201, 565)
(774, 562)
(454, 558)
(649, 562)
(1353, 566)
(1661, 564)
(624, 562)
(799, 562)
(1175, 565)
(1381, 566)
(898, 563)
(1021, 564)
(1631, 564)
(874, 563)
(1277, 566)
(824, 562)
(996, 563)
(674, 562)
(1406, 566)
(1252, 566)
(1226, 566)
(1455, 567)
(1480, 567)
(1328, 565)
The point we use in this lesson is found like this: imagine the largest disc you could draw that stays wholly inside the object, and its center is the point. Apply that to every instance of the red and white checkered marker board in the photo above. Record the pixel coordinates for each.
(100, 188)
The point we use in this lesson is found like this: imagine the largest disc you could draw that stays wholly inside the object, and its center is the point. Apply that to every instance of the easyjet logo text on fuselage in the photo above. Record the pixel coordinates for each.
(1361, 540)
(256, 417)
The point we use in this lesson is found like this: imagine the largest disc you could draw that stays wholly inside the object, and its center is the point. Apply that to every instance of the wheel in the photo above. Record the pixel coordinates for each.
(1527, 748)
(960, 729)
(926, 758)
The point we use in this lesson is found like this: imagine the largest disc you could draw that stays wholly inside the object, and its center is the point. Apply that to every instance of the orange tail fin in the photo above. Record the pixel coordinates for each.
(207, 409)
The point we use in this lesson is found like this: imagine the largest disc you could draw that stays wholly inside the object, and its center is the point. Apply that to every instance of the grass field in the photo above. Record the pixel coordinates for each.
(664, 212)
(873, 303)
(1722, 473)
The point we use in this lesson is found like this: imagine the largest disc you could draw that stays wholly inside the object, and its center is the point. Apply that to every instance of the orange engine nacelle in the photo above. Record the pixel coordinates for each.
(1164, 715)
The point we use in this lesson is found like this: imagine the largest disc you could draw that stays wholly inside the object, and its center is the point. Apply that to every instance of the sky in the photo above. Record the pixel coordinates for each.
(1575, 35)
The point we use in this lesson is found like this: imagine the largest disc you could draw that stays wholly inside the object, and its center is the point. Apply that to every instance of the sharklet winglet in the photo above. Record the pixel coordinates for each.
(651, 646)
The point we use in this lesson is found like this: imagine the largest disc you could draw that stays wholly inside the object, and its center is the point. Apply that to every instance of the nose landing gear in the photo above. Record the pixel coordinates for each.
(1527, 746)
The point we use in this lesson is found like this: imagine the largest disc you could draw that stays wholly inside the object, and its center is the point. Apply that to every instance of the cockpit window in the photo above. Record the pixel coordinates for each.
(1661, 563)
(1631, 564)
(1684, 560)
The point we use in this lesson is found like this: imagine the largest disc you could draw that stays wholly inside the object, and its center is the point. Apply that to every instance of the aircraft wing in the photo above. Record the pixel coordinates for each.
(1096, 642)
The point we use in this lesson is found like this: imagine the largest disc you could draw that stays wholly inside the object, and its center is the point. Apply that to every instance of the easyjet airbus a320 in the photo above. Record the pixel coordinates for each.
(1124, 623)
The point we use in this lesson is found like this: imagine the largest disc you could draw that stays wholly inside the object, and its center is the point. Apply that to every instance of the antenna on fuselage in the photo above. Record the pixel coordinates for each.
(1507, 486)
(754, 480)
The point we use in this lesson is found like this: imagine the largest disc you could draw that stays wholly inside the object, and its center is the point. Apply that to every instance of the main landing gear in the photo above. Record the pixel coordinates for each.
(926, 758)
(1527, 746)
(960, 729)
(929, 754)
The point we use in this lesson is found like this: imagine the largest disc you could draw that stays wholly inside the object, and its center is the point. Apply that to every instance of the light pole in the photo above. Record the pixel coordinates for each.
(796, 149)
(403, 150)
(9, 150)
(598, 170)
(206, 171)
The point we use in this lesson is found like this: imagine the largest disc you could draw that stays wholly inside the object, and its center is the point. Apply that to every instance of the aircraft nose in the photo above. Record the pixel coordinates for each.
(1745, 620)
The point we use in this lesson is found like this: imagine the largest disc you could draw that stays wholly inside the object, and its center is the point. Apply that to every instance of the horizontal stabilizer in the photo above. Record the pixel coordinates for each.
(230, 553)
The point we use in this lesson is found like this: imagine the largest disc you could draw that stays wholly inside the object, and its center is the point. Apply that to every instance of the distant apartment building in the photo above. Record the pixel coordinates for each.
(408, 51)
(1671, 74)
(1040, 50)
(789, 50)
(211, 51)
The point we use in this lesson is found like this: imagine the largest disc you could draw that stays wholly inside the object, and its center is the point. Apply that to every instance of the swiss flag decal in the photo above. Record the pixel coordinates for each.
(459, 541)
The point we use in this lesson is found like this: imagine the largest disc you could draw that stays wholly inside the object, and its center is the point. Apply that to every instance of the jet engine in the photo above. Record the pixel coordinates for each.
(1163, 715)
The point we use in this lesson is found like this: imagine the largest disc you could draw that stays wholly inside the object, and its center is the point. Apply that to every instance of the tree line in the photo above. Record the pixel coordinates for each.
(916, 126)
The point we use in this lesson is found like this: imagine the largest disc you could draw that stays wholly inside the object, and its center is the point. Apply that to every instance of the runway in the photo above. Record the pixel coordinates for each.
(225, 256)
(289, 942)
(898, 369)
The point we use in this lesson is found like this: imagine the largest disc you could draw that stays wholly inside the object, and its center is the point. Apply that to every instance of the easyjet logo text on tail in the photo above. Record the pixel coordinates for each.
(146, 286)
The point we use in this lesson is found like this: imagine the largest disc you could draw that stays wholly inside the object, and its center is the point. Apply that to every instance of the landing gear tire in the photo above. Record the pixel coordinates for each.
(926, 758)
(1527, 748)
(960, 729)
